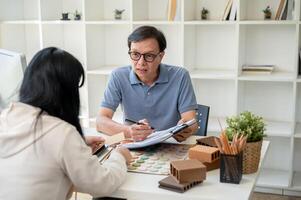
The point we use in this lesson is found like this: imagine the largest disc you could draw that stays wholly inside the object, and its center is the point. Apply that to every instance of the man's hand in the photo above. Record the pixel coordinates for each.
(140, 131)
(94, 141)
(183, 135)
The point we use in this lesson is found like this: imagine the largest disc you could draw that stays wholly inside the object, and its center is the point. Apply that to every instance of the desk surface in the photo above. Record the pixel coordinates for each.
(144, 186)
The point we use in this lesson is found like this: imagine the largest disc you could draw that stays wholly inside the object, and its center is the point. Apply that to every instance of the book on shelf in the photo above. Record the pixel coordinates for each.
(233, 12)
(227, 10)
(283, 15)
(280, 9)
(178, 11)
(299, 64)
(171, 10)
(290, 9)
(258, 69)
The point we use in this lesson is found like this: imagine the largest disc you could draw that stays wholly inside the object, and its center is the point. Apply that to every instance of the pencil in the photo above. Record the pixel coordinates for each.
(135, 122)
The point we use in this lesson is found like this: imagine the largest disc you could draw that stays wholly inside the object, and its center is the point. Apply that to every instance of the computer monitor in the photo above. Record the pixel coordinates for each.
(12, 66)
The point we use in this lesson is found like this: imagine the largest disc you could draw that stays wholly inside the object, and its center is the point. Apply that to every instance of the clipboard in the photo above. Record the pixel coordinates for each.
(160, 136)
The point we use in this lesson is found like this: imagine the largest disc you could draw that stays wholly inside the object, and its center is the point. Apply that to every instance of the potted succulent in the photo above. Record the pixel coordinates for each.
(77, 15)
(252, 126)
(204, 13)
(118, 14)
(267, 12)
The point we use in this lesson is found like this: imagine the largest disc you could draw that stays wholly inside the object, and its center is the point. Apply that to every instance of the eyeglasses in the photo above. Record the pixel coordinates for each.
(148, 57)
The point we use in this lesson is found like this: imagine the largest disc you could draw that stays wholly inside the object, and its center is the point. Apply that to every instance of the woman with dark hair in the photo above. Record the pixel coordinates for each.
(43, 153)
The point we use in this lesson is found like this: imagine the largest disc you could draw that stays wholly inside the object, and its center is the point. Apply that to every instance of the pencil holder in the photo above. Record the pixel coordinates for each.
(231, 168)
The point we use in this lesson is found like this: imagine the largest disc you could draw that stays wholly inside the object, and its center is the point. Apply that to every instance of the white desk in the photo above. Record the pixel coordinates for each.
(144, 186)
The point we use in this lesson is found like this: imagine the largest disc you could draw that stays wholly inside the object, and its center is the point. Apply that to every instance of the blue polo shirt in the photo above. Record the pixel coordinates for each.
(161, 103)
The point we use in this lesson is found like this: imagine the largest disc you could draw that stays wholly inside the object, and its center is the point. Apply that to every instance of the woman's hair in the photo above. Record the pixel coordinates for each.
(51, 82)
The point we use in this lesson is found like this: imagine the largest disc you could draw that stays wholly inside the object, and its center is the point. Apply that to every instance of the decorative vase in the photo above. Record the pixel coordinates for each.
(204, 16)
(267, 16)
(251, 157)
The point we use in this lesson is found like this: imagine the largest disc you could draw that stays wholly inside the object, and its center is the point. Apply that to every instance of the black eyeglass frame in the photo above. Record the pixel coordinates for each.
(153, 56)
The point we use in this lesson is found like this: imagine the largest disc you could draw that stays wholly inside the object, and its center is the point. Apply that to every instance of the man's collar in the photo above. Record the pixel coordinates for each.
(163, 76)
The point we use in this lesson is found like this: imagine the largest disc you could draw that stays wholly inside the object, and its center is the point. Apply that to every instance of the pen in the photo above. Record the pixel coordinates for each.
(134, 122)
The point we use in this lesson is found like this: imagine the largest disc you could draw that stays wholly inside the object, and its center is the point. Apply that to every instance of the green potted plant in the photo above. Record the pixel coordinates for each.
(252, 126)
(267, 12)
(204, 13)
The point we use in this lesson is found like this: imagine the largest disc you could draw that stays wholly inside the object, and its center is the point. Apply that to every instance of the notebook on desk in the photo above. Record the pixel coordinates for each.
(160, 136)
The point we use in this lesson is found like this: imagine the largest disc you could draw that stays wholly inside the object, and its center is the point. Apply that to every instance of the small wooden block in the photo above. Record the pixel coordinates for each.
(188, 171)
(170, 183)
(212, 166)
(204, 153)
(207, 141)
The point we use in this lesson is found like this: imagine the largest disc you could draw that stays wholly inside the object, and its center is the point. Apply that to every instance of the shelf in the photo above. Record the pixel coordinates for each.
(214, 126)
(109, 22)
(296, 181)
(212, 50)
(152, 22)
(268, 22)
(274, 129)
(102, 10)
(274, 76)
(204, 44)
(212, 74)
(102, 70)
(19, 10)
(21, 22)
(46, 22)
(298, 129)
(209, 22)
(279, 129)
(273, 178)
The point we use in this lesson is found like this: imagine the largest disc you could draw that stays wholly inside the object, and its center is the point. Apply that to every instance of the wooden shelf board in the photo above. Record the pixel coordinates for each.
(163, 22)
(21, 22)
(274, 76)
(273, 178)
(209, 22)
(102, 70)
(63, 22)
(268, 22)
(278, 128)
(297, 180)
(108, 22)
(213, 74)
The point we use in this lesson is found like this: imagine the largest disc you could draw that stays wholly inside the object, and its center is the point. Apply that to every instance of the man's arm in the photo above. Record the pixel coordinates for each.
(186, 116)
(105, 124)
(189, 115)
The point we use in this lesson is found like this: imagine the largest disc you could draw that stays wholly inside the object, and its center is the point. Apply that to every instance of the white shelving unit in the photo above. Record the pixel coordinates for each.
(212, 50)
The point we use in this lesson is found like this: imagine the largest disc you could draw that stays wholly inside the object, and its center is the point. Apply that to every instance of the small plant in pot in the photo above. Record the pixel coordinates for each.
(252, 126)
(267, 12)
(204, 13)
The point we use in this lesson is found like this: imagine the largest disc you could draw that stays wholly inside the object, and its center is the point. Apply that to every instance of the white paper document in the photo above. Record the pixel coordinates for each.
(159, 136)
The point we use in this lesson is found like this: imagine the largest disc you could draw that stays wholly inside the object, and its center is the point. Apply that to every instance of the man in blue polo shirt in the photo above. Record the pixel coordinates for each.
(151, 93)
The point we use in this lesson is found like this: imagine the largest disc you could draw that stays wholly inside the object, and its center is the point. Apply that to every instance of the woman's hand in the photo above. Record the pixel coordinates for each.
(125, 152)
(94, 141)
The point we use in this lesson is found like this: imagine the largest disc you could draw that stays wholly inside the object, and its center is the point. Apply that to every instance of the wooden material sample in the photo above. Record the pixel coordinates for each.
(170, 183)
(213, 165)
(207, 141)
(204, 153)
(188, 171)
